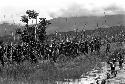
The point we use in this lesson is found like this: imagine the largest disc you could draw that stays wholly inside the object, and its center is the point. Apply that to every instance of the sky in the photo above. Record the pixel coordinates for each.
(12, 10)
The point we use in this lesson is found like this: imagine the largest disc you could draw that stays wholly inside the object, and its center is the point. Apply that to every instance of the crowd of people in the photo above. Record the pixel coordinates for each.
(115, 60)
(119, 58)
(33, 51)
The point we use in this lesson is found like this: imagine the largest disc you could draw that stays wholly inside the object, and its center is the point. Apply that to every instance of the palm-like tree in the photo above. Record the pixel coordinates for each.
(43, 23)
(25, 19)
(38, 30)
(33, 15)
(18, 31)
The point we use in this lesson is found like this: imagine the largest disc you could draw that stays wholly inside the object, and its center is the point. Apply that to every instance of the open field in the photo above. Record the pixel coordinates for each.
(47, 72)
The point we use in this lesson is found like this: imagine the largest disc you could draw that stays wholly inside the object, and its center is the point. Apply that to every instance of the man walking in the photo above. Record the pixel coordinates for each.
(112, 65)
(120, 61)
(108, 48)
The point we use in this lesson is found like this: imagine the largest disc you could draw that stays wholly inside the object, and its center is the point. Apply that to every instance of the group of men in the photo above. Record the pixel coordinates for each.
(119, 58)
(16, 54)
(33, 51)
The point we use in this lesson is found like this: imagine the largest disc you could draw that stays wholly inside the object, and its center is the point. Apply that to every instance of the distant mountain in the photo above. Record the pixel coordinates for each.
(7, 28)
(87, 22)
(68, 24)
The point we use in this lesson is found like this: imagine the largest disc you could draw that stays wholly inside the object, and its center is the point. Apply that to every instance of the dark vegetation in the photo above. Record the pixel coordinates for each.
(38, 57)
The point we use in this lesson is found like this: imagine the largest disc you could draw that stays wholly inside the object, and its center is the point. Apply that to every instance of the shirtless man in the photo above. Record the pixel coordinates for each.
(120, 61)
(113, 65)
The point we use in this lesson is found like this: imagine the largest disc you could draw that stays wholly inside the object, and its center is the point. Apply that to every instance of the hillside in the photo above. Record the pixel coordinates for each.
(68, 24)
(7, 28)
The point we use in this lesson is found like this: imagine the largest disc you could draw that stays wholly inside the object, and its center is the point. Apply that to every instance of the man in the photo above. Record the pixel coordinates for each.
(2, 55)
(97, 81)
(114, 60)
(103, 81)
(86, 47)
(112, 65)
(108, 48)
(92, 46)
(108, 75)
(120, 61)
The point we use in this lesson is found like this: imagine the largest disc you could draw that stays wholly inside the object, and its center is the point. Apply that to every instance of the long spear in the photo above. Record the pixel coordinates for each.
(12, 46)
(36, 29)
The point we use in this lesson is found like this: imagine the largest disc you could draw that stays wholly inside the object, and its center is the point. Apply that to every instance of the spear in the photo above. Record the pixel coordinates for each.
(12, 45)
(6, 47)
(82, 34)
(36, 29)
(75, 33)
(13, 36)
(60, 36)
(4, 16)
(11, 51)
(105, 16)
(5, 30)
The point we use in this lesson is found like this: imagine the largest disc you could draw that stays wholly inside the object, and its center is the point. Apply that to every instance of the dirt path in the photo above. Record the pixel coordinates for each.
(93, 75)
(120, 77)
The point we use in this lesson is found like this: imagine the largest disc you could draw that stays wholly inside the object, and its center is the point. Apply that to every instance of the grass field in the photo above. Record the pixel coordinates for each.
(46, 72)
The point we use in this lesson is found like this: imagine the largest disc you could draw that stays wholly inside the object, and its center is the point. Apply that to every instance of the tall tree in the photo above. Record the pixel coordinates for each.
(25, 19)
(28, 34)
(43, 23)
(33, 15)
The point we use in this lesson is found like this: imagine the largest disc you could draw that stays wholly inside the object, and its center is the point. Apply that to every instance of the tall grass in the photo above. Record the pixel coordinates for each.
(47, 72)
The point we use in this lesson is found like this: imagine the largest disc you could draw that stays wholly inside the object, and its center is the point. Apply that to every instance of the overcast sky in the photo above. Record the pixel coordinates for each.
(11, 10)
